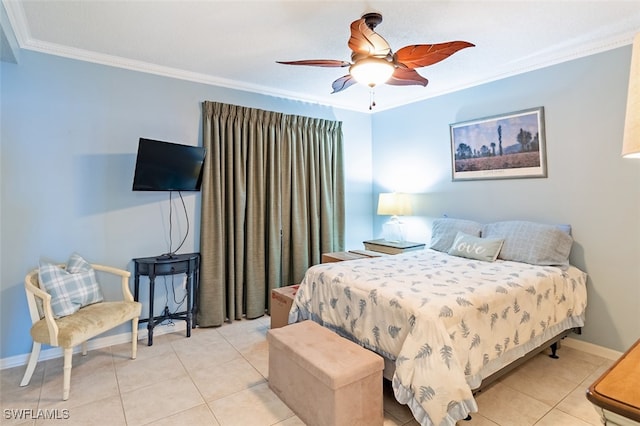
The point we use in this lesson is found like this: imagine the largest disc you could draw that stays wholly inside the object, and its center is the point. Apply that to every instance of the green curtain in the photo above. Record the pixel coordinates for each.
(272, 203)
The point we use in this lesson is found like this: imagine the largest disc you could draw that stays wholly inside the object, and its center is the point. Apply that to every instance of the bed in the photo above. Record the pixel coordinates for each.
(448, 317)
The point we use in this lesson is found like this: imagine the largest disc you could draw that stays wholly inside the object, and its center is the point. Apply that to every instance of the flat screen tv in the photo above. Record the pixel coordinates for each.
(168, 166)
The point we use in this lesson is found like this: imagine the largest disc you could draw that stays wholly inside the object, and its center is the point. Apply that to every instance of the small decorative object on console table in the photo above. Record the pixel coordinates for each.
(174, 264)
(616, 394)
(390, 247)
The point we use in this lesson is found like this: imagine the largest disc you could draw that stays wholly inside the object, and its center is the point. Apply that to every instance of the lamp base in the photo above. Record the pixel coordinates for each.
(393, 230)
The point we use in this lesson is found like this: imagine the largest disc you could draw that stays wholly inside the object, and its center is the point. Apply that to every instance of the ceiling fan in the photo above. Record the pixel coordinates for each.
(373, 62)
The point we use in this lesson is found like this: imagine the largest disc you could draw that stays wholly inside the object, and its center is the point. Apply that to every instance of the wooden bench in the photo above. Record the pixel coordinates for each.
(325, 379)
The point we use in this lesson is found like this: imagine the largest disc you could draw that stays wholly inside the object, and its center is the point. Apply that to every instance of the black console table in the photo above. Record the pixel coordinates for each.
(175, 264)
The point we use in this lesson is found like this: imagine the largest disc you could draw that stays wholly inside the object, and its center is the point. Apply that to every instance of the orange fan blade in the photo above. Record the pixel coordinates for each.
(365, 41)
(422, 55)
(407, 77)
(317, 63)
(342, 83)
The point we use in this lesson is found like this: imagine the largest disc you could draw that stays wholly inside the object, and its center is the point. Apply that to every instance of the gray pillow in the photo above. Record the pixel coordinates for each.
(530, 242)
(471, 247)
(444, 231)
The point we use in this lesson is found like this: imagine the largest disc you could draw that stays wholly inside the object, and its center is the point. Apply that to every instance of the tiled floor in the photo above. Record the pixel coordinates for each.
(219, 377)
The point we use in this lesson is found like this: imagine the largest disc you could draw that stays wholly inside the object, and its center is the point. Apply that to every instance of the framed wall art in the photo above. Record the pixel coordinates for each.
(500, 147)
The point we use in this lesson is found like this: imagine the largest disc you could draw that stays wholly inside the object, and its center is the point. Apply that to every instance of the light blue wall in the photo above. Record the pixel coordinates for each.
(69, 139)
(589, 185)
(69, 132)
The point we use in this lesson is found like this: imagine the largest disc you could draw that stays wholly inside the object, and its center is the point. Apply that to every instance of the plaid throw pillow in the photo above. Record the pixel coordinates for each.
(70, 288)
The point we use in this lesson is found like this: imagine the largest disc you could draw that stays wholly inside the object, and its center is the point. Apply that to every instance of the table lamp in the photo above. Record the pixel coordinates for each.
(394, 204)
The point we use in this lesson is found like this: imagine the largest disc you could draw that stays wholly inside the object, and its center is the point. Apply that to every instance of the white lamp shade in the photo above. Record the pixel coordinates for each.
(394, 204)
(631, 141)
(371, 71)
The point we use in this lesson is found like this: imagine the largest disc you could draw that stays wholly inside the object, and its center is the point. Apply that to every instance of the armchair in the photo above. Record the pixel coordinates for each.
(70, 330)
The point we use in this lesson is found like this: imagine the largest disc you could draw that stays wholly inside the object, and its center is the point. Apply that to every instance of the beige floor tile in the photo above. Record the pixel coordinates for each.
(160, 400)
(15, 397)
(94, 360)
(571, 366)
(86, 386)
(16, 402)
(16, 422)
(91, 414)
(196, 416)
(257, 324)
(197, 356)
(389, 420)
(556, 417)
(122, 353)
(258, 356)
(202, 334)
(577, 405)
(166, 333)
(595, 375)
(244, 341)
(545, 388)
(255, 406)
(584, 356)
(140, 373)
(18, 412)
(508, 407)
(221, 380)
(476, 420)
(291, 421)
(239, 327)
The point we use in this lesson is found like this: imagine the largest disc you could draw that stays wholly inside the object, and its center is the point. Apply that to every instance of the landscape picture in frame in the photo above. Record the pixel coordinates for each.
(500, 147)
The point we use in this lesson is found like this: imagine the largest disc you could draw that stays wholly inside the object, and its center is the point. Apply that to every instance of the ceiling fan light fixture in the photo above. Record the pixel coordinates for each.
(371, 71)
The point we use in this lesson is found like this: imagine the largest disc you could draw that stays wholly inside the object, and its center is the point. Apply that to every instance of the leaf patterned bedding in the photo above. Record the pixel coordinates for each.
(446, 321)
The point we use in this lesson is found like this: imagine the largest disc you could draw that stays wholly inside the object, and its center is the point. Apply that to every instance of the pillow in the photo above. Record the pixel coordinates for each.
(70, 288)
(530, 242)
(444, 231)
(465, 245)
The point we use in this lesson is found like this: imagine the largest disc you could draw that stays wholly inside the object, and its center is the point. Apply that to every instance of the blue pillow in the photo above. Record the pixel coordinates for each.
(444, 231)
(530, 242)
(471, 247)
(72, 287)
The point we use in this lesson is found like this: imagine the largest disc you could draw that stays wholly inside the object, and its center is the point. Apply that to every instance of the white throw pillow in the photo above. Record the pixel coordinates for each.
(471, 247)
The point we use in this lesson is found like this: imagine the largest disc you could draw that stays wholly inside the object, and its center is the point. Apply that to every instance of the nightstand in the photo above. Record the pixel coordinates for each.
(340, 256)
(390, 247)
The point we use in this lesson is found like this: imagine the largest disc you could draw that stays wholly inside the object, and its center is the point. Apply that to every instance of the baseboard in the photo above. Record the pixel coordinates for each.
(97, 343)
(592, 349)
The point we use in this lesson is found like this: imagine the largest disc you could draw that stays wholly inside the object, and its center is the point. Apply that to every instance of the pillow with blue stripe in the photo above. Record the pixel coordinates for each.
(531, 242)
(444, 231)
(72, 287)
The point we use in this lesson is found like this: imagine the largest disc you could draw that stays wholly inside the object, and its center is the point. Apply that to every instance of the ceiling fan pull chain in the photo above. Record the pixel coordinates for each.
(372, 99)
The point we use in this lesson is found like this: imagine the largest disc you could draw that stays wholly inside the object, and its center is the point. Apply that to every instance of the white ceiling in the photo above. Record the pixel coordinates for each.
(236, 43)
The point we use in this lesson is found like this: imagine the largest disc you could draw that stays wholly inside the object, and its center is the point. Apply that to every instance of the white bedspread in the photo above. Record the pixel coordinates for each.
(448, 322)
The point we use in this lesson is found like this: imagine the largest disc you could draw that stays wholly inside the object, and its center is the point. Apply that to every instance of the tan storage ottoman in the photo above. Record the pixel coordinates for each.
(325, 379)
